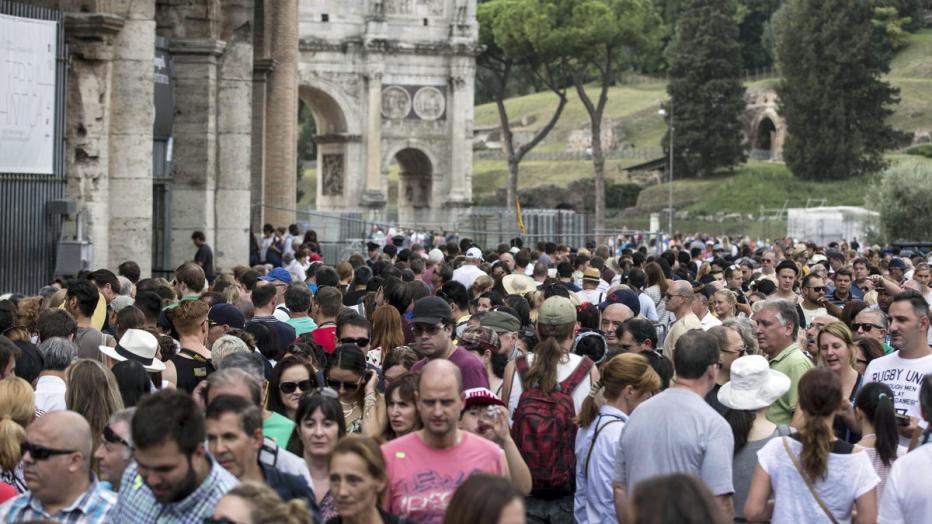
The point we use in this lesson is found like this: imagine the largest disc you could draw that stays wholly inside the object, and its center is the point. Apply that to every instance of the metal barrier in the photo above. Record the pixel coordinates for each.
(28, 231)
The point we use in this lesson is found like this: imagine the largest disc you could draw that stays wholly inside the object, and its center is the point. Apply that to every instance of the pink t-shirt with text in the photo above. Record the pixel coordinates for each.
(421, 480)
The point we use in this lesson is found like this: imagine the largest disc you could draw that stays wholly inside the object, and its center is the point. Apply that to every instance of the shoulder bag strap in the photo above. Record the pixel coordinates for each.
(596, 435)
(808, 481)
(577, 376)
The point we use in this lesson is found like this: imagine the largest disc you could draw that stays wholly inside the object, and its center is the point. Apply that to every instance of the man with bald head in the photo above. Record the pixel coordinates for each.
(679, 301)
(425, 467)
(612, 318)
(57, 470)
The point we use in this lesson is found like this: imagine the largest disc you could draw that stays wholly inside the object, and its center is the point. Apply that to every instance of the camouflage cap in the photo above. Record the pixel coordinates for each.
(480, 337)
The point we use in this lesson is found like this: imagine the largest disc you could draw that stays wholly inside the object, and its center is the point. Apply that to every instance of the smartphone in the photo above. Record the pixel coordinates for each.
(902, 420)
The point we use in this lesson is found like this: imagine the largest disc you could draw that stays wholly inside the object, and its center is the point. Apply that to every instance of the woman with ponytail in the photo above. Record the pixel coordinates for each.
(627, 380)
(811, 475)
(873, 409)
(552, 360)
(17, 410)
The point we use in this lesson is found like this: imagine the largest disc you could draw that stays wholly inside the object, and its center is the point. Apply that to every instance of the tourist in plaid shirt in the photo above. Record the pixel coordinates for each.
(57, 469)
(173, 479)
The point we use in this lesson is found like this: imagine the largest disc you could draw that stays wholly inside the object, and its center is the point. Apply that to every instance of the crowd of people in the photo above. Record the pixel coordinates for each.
(434, 380)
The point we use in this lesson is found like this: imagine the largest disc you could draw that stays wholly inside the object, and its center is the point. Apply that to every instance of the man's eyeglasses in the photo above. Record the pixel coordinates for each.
(361, 341)
(669, 296)
(112, 437)
(866, 327)
(346, 386)
(742, 351)
(817, 289)
(428, 329)
(290, 387)
(38, 452)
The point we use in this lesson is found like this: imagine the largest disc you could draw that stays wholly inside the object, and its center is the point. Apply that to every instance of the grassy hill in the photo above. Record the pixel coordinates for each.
(633, 106)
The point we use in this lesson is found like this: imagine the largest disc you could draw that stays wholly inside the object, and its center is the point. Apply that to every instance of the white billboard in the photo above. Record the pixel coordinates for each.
(27, 95)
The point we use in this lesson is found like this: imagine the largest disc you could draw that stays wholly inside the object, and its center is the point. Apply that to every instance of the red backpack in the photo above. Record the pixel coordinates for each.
(544, 430)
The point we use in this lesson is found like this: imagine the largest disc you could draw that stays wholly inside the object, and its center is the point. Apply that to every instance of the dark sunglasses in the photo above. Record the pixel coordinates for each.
(111, 437)
(429, 329)
(221, 520)
(347, 386)
(867, 327)
(290, 387)
(818, 289)
(361, 341)
(38, 452)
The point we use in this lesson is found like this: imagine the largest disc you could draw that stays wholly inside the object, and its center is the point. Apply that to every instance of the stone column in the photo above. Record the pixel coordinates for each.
(234, 140)
(90, 40)
(282, 114)
(260, 72)
(132, 113)
(194, 166)
(373, 198)
(459, 114)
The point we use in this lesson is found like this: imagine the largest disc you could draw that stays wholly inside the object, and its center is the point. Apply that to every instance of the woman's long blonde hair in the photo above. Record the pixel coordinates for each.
(17, 409)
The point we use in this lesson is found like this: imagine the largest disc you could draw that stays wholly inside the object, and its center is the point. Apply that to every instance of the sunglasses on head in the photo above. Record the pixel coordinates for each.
(429, 329)
(112, 437)
(361, 341)
(290, 387)
(347, 386)
(38, 452)
(324, 392)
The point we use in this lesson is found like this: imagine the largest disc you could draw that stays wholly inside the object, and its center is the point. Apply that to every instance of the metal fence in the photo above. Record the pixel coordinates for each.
(556, 156)
(28, 230)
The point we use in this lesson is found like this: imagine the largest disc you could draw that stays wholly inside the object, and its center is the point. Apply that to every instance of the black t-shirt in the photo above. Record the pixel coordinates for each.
(205, 258)
(191, 371)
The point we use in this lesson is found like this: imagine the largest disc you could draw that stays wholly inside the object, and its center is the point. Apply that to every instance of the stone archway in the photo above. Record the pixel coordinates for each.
(414, 186)
(338, 149)
(403, 73)
(765, 137)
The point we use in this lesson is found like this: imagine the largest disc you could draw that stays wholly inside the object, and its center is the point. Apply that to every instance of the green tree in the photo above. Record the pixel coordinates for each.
(831, 95)
(600, 38)
(902, 198)
(706, 90)
(507, 52)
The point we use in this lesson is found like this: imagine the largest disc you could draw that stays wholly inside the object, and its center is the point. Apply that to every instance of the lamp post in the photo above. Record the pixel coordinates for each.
(663, 112)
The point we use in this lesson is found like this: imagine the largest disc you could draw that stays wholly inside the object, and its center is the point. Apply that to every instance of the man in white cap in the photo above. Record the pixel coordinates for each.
(469, 271)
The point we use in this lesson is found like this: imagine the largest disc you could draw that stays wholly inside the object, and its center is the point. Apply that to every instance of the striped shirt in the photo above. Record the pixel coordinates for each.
(137, 504)
(93, 506)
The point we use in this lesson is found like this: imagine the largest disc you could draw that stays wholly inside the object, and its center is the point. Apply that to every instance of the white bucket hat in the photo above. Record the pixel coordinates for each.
(753, 384)
(137, 345)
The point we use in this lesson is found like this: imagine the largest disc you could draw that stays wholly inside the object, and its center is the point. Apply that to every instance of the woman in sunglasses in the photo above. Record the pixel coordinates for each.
(319, 425)
(346, 374)
(291, 378)
(17, 410)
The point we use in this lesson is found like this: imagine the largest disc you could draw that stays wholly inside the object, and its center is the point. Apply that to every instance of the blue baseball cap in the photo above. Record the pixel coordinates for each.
(279, 274)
